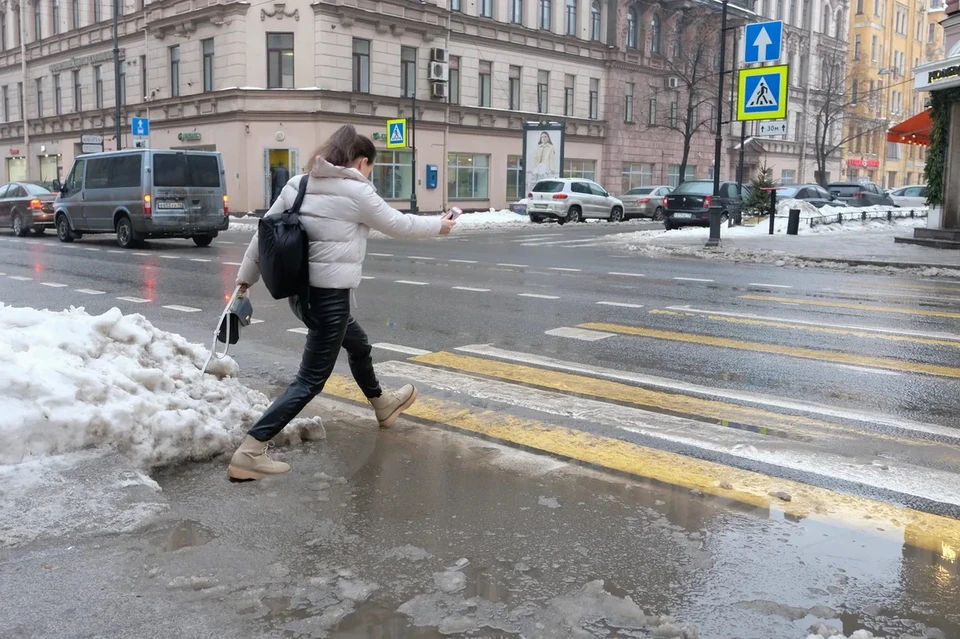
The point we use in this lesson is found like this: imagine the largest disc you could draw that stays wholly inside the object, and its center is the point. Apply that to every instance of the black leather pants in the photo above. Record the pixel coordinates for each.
(326, 315)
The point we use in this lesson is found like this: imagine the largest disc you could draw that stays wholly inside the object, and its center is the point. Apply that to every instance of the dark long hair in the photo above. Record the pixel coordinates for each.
(345, 146)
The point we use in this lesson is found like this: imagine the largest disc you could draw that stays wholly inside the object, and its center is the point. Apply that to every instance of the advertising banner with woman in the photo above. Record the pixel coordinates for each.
(542, 152)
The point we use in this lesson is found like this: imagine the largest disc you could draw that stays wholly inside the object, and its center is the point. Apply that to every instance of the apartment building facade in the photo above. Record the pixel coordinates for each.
(890, 38)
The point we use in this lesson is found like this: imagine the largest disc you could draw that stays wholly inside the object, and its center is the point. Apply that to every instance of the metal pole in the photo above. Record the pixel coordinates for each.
(116, 71)
(23, 90)
(413, 152)
(743, 140)
(718, 148)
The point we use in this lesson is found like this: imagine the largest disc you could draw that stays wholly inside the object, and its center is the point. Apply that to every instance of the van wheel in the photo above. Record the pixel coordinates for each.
(18, 228)
(64, 232)
(126, 236)
(202, 240)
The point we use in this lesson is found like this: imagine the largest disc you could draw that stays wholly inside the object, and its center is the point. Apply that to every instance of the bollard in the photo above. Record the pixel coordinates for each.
(715, 223)
(839, 218)
(890, 215)
(793, 222)
(773, 209)
(863, 216)
(911, 213)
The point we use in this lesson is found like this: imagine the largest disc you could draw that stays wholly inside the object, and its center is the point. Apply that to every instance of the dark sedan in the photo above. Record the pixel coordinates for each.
(690, 203)
(813, 194)
(26, 207)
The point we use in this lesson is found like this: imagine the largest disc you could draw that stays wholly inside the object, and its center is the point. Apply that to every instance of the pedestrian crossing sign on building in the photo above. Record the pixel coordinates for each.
(396, 134)
(763, 93)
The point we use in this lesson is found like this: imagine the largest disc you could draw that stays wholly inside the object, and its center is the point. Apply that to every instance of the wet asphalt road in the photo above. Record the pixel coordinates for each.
(843, 381)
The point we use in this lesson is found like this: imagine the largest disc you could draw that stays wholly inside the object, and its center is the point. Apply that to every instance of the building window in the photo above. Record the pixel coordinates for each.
(3, 31)
(280, 61)
(859, 7)
(838, 25)
(393, 174)
(678, 41)
(674, 113)
(571, 17)
(485, 86)
(143, 77)
(122, 93)
(594, 98)
(408, 72)
(854, 91)
(361, 66)
(825, 24)
(16, 25)
(633, 29)
(207, 49)
(793, 12)
(57, 95)
(787, 176)
(486, 8)
(628, 103)
(779, 9)
(75, 13)
(673, 174)
(878, 8)
(37, 21)
(656, 40)
(175, 71)
(893, 153)
(569, 84)
(6, 103)
(636, 174)
(652, 111)
(595, 21)
(97, 12)
(39, 82)
(77, 93)
(514, 178)
(514, 88)
(98, 86)
(873, 49)
(455, 5)
(516, 11)
(546, 18)
(21, 112)
(807, 17)
(931, 33)
(453, 80)
(543, 91)
(468, 176)
(584, 169)
(856, 47)
(55, 16)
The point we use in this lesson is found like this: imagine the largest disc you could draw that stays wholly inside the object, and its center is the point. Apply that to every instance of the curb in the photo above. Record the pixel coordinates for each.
(858, 262)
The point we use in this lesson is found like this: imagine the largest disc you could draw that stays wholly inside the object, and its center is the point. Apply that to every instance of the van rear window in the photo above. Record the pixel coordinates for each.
(180, 169)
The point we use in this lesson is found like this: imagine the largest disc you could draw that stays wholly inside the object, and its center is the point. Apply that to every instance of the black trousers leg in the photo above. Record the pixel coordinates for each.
(326, 314)
(357, 345)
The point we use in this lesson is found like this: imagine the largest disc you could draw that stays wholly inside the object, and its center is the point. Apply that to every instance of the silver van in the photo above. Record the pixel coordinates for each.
(143, 193)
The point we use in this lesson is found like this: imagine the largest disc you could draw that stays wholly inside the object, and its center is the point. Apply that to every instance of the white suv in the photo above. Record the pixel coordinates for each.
(572, 200)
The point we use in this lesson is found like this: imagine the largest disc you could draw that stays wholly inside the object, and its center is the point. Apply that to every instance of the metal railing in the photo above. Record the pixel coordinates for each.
(862, 215)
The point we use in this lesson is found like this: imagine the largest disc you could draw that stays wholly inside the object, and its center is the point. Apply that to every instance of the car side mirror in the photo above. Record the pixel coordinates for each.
(56, 185)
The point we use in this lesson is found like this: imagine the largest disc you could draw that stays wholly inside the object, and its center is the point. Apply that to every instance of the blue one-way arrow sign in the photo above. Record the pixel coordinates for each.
(140, 127)
(762, 41)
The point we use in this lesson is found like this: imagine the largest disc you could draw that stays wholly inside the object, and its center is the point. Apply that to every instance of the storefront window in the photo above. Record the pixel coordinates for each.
(17, 169)
(586, 169)
(673, 174)
(50, 168)
(514, 179)
(636, 174)
(468, 176)
(392, 175)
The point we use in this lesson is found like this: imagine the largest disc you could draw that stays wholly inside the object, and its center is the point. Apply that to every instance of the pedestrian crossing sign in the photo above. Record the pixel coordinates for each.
(763, 93)
(396, 134)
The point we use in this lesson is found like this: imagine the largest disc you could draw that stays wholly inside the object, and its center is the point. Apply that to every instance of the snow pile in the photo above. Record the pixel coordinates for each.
(246, 223)
(779, 228)
(491, 219)
(72, 381)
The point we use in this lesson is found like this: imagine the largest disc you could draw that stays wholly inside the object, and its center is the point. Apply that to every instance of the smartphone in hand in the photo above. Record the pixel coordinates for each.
(454, 213)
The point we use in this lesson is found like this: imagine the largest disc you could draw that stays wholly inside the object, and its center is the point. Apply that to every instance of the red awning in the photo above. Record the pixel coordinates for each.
(915, 130)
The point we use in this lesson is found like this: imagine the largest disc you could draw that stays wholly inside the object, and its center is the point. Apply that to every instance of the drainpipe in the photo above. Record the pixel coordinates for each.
(802, 169)
(23, 95)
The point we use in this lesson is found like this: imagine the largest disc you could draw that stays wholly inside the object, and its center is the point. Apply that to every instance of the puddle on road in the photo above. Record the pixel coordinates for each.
(185, 534)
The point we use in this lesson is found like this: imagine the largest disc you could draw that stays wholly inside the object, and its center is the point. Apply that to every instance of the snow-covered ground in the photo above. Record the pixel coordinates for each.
(479, 221)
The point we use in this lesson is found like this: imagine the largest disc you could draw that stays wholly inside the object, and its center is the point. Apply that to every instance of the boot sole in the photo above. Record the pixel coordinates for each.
(391, 420)
(238, 475)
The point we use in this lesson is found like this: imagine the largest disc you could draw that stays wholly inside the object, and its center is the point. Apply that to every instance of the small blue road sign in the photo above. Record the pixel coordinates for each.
(396, 134)
(762, 93)
(762, 41)
(140, 127)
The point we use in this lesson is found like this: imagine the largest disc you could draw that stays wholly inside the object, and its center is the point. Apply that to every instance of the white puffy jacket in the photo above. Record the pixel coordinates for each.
(338, 211)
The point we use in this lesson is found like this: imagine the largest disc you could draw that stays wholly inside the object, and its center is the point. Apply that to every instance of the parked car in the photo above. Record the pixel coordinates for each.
(141, 193)
(910, 196)
(689, 204)
(572, 200)
(860, 194)
(811, 193)
(645, 201)
(26, 207)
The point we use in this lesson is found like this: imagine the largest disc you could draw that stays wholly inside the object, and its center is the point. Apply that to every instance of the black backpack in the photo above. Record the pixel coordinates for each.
(284, 250)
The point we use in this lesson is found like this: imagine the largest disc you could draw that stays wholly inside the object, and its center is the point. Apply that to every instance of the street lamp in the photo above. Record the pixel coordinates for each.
(718, 147)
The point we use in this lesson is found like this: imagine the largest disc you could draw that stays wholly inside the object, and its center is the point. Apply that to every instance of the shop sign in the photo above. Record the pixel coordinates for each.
(860, 163)
(191, 136)
(82, 61)
(14, 151)
(943, 75)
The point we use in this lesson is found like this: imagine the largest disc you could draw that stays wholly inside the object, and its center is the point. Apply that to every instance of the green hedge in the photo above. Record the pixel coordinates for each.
(935, 168)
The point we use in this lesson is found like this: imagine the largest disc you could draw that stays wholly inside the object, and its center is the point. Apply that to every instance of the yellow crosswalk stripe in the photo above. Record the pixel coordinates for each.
(778, 349)
(924, 530)
(852, 306)
(816, 329)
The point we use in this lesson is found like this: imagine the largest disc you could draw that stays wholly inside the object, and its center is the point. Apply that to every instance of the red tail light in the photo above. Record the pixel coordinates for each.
(861, 195)
(664, 201)
(35, 205)
(708, 201)
(560, 196)
(530, 195)
(147, 205)
(226, 205)
(644, 200)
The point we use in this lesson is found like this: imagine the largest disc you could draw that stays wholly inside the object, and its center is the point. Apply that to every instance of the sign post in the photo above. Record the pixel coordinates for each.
(91, 144)
(762, 42)
(763, 93)
(140, 127)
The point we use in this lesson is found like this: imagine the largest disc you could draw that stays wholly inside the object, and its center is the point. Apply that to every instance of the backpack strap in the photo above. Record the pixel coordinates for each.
(301, 192)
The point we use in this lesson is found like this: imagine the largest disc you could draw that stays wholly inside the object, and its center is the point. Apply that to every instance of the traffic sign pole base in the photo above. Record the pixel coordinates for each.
(712, 243)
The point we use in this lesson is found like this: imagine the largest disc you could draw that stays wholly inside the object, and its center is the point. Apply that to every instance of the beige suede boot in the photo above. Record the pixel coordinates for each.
(250, 462)
(389, 405)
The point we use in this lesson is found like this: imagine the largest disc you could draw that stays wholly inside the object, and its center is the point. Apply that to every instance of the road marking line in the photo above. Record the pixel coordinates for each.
(514, 265)
(861, 369)
(256, 321)
(568, 242)
(471, 289)
(622, 304)
(90, 291)
(232, 263)
(927, 531)
(135, 300)
(170, 257)
(200, 259)
(381, 254)
(90, 248)
(578, 333)
(367, 277)
(53, 284)
(114, 251)
(539, 297)
(301, 330)
(856, 307)
(463, 261)
(407, 350)
(777, 349)
(225, 242)
(412, 282)
(770, 285)
(691, 279)
(722, 395)
(560, 268)
(536, 237)
(182, 309)
(141, 254)
(626, 274)
(934, 339)
(21, 278)
(419, 257)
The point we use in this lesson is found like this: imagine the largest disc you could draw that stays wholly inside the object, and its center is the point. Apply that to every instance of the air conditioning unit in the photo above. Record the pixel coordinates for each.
(438, 90)
(438, 72)
(672, 82)
(439, 55)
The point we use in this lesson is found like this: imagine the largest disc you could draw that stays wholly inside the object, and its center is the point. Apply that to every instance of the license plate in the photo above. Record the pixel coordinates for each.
(539, 206)
(683, 216)
(169, 204)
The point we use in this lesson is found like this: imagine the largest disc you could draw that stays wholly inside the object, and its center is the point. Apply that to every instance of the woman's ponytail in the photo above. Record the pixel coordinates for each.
(345, 146)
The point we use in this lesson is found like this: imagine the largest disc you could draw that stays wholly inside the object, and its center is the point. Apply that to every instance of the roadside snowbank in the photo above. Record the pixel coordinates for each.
(779, 228)
(73, 381)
